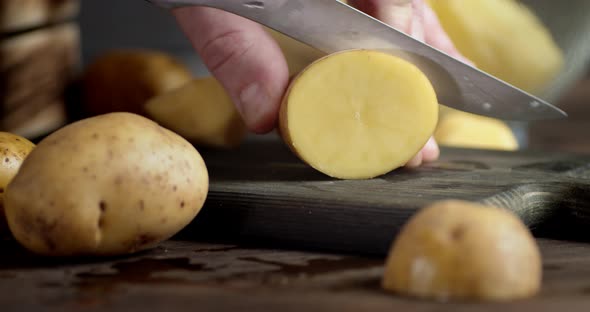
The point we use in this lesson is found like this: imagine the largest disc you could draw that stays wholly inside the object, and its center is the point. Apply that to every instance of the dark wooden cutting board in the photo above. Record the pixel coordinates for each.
(261, 193)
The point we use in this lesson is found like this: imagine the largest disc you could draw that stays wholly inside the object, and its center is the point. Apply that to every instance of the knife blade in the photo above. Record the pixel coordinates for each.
(332, 26)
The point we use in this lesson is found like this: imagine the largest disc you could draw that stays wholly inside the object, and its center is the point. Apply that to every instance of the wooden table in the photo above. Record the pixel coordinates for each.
(190, 276)
(189, 273)
(184, 274)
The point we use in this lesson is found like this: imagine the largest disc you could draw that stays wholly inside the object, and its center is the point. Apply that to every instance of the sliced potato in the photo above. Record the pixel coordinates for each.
(457, 250)
(107, 185)
(202, 112)
(358, 114)
(504, 38)
(464, 130)
(14, 150)
(122, 80)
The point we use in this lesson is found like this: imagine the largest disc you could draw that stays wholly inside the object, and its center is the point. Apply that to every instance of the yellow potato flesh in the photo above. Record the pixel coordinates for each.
(358, 114)
(504, 38)
(201, 112)
(464, 130)
(464, 251)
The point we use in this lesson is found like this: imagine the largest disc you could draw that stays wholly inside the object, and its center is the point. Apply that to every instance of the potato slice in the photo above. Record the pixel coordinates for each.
(358, 114)
(201, 112)
(14, 150)
(464, 130)
(457, 250)
(504, 38)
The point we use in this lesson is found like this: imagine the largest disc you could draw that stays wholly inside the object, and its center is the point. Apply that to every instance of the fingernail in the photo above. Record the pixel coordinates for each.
(251, 104)
(431, 151)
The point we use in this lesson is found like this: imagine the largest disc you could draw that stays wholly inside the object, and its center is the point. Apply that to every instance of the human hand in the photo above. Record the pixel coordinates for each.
(251, 67)
(417, 19)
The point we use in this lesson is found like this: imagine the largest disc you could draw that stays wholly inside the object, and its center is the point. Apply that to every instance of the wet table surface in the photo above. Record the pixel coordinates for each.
(190, 276)
(187, 275)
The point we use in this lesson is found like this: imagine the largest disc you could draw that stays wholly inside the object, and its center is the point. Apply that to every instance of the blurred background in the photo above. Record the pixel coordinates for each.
(107, 25)
(101, 26)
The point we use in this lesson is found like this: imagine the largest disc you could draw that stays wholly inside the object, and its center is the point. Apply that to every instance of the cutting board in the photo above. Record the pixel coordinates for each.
(261, 193)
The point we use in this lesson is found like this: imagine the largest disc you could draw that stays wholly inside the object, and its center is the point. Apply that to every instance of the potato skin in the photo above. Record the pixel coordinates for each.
(123, 80)
(107, 185)
(13, 151)
(461, 250)
(201, 112)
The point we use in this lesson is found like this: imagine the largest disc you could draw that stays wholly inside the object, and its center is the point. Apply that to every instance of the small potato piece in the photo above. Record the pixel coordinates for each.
(202, 112)
(13, 151)
(503, 38)
(358, 114)
(464, 130)
(107, 185)
(466, 251)
(123, 80)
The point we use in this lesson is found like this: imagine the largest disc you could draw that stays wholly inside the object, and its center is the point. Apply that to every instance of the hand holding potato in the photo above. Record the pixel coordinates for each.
(243, 56)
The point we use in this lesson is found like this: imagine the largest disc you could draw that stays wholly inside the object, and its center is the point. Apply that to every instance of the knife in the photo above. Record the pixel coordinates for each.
(331, 26)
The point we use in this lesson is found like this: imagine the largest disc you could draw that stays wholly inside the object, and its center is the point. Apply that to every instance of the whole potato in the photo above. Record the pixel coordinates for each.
(122, 80)
(13, 151)
(461, 250)
(107, 185)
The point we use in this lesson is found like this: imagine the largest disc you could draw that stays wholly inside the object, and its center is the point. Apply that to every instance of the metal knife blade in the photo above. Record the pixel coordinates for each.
(331, 26)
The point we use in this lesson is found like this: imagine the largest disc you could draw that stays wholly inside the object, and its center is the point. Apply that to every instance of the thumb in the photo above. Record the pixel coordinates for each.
(243, 57)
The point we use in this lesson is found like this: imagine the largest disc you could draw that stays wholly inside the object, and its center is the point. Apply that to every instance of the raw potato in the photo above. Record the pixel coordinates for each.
(202, 112)
(123, 80)
(456, 250)
(358, 114)
(13, 151)
(503, 38)
(464, 130)
(107, 185)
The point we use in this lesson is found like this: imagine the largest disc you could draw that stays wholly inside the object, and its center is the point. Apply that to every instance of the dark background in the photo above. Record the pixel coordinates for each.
(110, 24)
(132, 23)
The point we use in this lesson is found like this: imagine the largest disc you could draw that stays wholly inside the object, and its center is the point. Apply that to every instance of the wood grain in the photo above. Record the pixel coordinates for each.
(19, 15)
(35, 70)
(263, 193)
(185, 275)
(274, 199)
